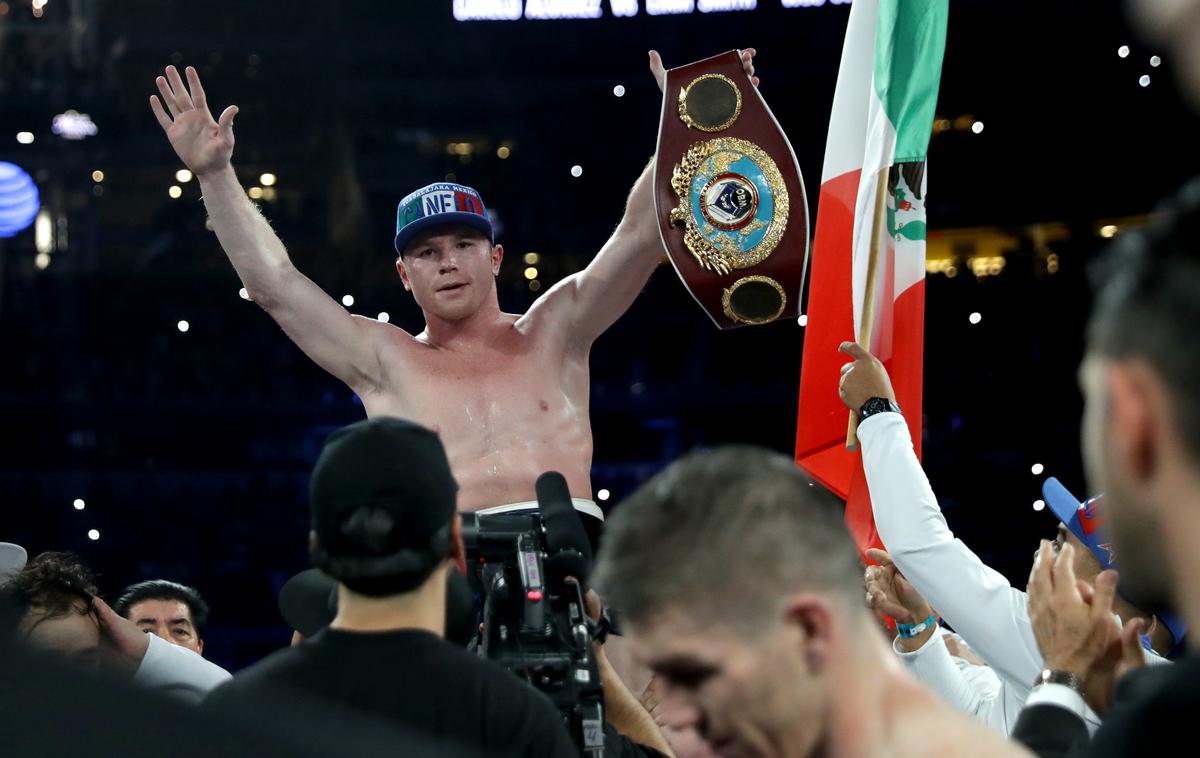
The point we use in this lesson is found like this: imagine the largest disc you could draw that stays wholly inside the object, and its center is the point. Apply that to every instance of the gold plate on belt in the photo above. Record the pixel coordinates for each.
(754, 300)
(710, 103)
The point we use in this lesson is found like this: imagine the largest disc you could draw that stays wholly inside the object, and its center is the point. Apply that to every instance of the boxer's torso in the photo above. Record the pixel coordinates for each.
(507, 407)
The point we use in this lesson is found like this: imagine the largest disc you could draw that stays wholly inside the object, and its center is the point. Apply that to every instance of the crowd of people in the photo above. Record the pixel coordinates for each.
(747, 622)
(738, 587)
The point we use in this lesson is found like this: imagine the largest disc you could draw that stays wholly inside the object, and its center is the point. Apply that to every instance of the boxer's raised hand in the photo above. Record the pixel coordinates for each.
(202, 143)
(660, 73)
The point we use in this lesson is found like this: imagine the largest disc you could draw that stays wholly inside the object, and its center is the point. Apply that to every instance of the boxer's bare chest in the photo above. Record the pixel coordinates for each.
(506, 411)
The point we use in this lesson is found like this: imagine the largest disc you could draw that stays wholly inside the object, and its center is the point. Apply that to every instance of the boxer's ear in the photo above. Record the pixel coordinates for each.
(811, 624)
(403, 274)
(497, 257)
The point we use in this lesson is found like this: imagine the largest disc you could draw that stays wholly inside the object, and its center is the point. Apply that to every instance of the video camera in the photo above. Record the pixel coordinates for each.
(531, 571)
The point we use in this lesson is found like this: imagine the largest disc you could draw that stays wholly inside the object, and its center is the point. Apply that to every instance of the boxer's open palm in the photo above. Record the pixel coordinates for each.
(660, 71)
(202, 143)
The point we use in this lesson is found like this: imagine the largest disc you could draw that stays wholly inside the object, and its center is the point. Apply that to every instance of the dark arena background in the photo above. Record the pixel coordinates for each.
(157, 423)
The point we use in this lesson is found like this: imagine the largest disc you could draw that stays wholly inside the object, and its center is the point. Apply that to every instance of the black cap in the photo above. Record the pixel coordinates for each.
(386, 463)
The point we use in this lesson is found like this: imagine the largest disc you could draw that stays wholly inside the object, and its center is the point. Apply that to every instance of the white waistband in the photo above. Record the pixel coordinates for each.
(583, 506)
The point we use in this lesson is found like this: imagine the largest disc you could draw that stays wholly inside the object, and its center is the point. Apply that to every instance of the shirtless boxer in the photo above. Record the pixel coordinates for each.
(507, 393)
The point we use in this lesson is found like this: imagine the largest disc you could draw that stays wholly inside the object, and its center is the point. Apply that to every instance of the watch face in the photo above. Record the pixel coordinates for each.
(875, 405)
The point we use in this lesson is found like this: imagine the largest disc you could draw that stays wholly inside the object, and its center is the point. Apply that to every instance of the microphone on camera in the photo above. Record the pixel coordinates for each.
(566, 540)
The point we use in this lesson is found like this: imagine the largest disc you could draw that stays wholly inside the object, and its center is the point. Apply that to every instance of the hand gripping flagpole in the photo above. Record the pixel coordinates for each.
(868, 310)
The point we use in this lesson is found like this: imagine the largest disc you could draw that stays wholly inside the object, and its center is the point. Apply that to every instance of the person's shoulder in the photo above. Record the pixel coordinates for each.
(454, 658)
(1159, 690)
(552, 308)
(386, 333)
(917, 717)
(520, 715)
(265, 674)
(502, 686)
(1157, 710)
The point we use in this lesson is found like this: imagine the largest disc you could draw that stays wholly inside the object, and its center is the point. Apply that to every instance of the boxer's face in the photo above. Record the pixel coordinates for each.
(451, 271)
(745, 694)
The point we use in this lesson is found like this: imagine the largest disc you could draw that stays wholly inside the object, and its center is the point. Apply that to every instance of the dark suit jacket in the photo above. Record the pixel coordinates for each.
(1154, 709)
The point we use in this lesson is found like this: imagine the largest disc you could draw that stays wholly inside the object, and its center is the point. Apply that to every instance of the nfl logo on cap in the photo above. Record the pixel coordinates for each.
(440, 204)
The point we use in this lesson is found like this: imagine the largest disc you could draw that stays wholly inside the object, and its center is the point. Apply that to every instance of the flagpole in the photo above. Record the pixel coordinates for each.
(868, 311)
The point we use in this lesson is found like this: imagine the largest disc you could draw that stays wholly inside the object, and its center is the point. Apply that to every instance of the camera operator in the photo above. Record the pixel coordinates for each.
(384, 525)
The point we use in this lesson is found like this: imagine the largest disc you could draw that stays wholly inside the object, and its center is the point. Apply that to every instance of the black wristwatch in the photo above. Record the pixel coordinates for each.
(1065, 678)
(876, 405)
(600, 629)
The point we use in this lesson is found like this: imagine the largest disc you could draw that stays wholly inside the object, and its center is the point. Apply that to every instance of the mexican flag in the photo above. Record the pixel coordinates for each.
(882, 117)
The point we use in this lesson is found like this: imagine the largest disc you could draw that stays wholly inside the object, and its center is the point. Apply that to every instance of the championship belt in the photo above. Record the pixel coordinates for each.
(729, 197)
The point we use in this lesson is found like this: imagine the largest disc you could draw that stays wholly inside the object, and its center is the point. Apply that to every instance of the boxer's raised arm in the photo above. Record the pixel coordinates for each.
(606, 288)
(342, 344)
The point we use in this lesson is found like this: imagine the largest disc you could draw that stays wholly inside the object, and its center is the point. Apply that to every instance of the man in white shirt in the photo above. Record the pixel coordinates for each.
(976, 600)
(925, 647)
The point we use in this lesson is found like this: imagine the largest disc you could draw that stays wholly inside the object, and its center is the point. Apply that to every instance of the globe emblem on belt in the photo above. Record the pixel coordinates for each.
(729, 201)
(733, 203)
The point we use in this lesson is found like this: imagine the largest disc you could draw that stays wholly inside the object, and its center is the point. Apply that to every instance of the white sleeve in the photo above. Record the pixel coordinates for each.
(1059, 695)
(975, 600)
(177, 670)
(973, 690)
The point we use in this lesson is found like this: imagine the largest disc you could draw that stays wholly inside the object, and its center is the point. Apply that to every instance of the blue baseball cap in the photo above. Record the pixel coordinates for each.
(1086, 521)
(1083, 519)
(439, 204)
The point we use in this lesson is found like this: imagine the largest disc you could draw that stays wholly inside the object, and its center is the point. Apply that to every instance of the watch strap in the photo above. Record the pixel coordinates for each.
(1065, 678)
(876, 405)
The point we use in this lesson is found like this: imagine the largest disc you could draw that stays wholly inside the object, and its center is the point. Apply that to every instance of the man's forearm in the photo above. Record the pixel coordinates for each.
(640, 221)
(912, 644)
(607, 287)
(977, 601)
(624, 711)
(169, 668)
(253, 248)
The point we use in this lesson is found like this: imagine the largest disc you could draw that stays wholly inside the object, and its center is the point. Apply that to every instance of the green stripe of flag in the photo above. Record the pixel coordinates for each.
(910, 40)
